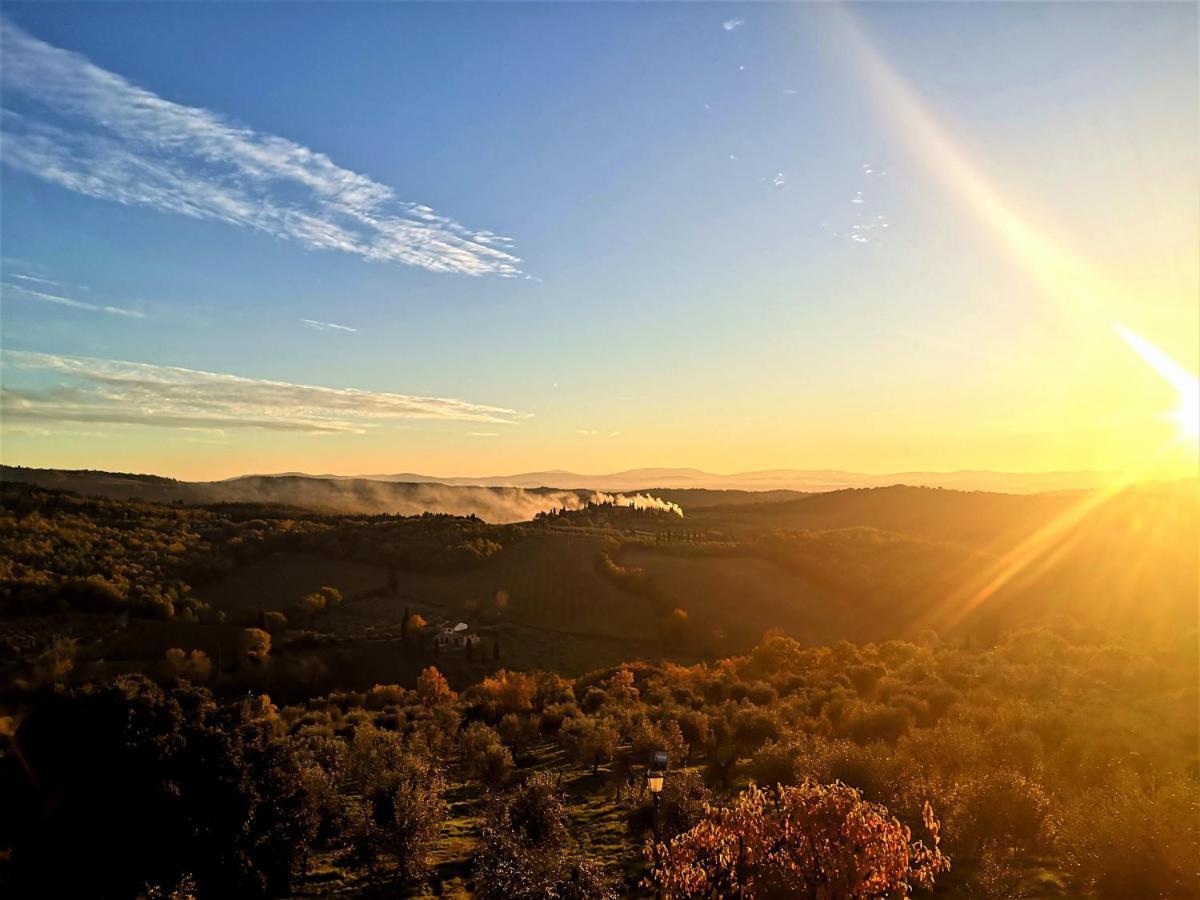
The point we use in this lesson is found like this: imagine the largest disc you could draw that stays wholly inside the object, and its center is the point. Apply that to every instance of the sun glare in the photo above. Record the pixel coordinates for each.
(1187, 413)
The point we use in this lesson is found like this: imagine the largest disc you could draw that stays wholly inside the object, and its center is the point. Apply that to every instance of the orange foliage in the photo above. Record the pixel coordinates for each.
(807, 841)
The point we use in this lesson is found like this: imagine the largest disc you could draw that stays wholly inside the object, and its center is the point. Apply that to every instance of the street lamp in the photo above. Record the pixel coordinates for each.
(656, 771)
(654, 781)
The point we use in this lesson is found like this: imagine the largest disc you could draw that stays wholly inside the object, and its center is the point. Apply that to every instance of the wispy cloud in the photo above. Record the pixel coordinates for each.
(92, 131)
(325, 326)
(36, 280)
(82, 389)
(733, 24)
(71, 302)
(482, 434)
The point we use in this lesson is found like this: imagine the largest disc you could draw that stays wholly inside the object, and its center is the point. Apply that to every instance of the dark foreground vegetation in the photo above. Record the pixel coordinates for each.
(254, 701)
(1059, 762)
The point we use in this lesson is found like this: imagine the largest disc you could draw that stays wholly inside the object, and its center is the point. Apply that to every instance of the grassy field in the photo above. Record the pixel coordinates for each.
(281, 579)
(556, 613)
(731, 600)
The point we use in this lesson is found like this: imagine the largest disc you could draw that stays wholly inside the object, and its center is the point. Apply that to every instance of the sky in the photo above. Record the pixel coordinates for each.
(464, 239)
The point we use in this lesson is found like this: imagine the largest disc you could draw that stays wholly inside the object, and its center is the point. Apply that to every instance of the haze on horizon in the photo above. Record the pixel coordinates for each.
(397, 238)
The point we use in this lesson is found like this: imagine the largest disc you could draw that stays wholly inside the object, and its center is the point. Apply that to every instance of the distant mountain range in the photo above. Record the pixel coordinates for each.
(517, 498)
(803, 480)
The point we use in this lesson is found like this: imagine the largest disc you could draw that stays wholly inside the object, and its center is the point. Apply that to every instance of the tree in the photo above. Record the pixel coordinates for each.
(399, 816)
(254, 647)
(194, 666)
(183, 788)
(413, 625)
(806, 841)
(517, 731)
(526, 851)
(433, 689)
(505, 692)
(589, 740)
(485, 758)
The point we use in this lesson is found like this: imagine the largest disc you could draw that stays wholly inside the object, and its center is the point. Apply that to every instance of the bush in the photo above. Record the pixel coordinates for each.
(806, 841)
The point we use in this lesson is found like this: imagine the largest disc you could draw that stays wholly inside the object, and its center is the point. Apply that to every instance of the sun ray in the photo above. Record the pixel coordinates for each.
(1077, 288)
(1187, 414)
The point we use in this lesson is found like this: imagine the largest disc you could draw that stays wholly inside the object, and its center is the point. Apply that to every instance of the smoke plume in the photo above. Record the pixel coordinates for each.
(637, 501)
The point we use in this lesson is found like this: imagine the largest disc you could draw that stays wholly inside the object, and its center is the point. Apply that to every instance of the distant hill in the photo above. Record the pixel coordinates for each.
(352, 495)
(735, 509)
(796, 480)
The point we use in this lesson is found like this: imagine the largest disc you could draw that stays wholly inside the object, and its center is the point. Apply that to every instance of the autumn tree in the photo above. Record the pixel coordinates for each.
(433, 689)
(413, 625)
(806, 841)
(505, 692)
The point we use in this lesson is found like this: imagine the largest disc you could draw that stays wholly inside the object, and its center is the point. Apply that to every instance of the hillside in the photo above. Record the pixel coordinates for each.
(275, 658)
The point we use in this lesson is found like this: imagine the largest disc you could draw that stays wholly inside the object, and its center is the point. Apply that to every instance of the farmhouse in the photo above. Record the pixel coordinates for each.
(455, 637)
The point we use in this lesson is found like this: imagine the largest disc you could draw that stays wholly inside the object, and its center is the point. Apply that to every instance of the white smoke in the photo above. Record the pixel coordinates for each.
(637, 501)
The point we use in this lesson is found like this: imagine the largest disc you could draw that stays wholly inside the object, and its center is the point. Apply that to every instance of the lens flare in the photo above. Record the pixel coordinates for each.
(1187, 414)
(1065, 277)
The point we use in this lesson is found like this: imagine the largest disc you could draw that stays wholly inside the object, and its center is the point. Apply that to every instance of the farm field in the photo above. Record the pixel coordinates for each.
(731, 600)
(281, 579)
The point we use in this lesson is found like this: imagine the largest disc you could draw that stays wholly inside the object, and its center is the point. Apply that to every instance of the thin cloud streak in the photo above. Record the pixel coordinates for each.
(128, 393)
(325, 326)
(72, 303)
(93, 132)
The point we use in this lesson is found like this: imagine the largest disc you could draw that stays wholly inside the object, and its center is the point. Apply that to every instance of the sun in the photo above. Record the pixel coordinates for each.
(1187, 413)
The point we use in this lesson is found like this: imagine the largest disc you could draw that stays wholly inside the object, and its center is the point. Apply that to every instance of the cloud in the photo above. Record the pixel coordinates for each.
(91, 390)
(778, 180)
(483, 434)
(36, 280)
(325, 326)
(93, 132)
(733, 24)
(71, 302)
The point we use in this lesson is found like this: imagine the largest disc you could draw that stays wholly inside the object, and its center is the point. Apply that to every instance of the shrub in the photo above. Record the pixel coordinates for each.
(806, 841)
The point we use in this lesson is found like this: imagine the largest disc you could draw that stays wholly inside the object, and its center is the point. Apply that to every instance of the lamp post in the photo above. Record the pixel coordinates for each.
(656, 773)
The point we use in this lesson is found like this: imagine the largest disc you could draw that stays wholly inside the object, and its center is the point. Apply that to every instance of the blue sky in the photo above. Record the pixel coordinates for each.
(683, 256)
